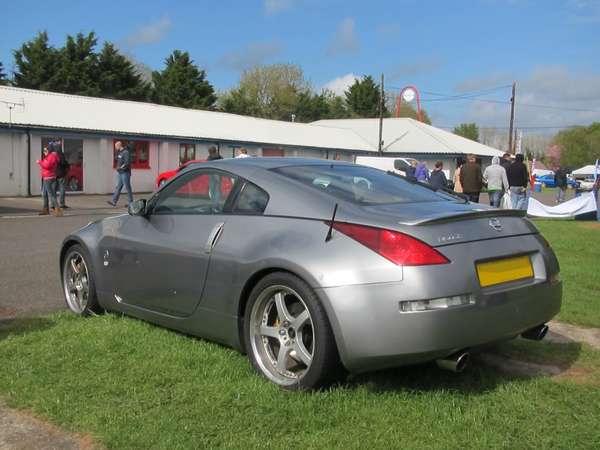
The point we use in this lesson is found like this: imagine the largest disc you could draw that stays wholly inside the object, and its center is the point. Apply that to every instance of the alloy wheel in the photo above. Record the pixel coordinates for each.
(282, 334)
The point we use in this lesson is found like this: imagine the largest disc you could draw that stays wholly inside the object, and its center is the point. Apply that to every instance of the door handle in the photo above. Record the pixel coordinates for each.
(213, 237)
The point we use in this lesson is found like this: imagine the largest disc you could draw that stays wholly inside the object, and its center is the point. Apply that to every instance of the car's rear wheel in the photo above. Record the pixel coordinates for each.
(78, 282)
(287, 334)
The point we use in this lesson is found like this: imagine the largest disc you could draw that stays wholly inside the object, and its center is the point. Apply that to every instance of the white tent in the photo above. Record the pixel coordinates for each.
(588, 170)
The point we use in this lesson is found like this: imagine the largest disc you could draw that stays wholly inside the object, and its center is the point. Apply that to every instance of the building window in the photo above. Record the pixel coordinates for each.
(187, 152)
(139, 152)
(272, 152)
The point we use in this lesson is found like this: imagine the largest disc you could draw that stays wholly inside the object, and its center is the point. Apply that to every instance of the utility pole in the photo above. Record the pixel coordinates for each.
(381, 100)
(512, 118)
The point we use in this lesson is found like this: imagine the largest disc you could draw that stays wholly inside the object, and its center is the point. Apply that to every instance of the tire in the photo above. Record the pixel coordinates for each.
(79, 288)
(162, 182)
(287, 334)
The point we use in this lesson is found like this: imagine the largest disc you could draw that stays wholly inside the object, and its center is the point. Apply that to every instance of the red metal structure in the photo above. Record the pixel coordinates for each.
(418, 98)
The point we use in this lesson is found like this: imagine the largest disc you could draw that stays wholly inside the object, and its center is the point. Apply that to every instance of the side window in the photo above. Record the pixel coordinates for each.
(252, 200)
(198, 192)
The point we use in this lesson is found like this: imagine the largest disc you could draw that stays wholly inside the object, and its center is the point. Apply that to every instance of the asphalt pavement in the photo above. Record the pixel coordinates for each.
(29, 245)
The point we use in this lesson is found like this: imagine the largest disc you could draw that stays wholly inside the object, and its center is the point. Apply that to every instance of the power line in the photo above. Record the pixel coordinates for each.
(472, 96)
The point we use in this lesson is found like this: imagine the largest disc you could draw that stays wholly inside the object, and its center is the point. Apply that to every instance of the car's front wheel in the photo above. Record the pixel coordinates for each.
(288, 336)
(78, 282)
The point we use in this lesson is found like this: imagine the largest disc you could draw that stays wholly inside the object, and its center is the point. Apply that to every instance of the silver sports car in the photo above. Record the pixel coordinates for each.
(316, 268)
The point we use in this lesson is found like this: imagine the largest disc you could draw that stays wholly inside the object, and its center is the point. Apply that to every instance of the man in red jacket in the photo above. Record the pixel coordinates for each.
(48, 166)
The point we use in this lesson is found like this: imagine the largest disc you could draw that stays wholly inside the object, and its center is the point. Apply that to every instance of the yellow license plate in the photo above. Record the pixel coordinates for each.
(504, 270)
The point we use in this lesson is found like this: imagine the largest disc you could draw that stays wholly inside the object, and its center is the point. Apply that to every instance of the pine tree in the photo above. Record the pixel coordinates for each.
(76, 70)
(467, 130)
(35, 63)
(182, 84)
(363, 98)
(117, 77)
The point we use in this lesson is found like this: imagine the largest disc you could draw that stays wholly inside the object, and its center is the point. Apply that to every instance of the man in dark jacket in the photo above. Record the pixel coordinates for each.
(213, 153)
(506, 161)
(438, 179)
(471, 179)
(560, 180)
(123, 166)
(518, 177)
(61, 177)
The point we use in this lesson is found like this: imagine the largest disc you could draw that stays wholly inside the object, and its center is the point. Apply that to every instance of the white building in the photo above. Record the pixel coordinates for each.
(162, 137)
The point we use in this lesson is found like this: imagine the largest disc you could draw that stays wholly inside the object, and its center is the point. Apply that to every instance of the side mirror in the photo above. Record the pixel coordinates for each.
(137, 208)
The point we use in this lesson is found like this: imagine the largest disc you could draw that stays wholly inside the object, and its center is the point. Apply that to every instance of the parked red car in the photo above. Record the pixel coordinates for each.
(74, 177)
(162, 178)
(198, 186)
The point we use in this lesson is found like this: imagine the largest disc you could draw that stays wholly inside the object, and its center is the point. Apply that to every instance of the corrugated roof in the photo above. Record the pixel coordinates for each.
(64, 111)
(405, 135)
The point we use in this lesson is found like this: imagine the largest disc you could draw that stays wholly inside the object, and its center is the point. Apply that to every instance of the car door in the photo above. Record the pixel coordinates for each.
(159, 262)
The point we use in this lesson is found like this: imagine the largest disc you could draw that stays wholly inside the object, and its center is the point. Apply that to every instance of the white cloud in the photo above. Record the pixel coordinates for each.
(340, 84)
(255, 53)
(344, 40)
(277, 6)
(549, 96)
(149, 33)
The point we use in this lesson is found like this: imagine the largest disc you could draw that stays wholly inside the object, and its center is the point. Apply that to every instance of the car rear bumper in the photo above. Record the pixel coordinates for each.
(372, 333)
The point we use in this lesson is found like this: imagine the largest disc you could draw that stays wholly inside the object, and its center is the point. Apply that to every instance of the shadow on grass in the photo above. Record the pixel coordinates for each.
(23, 326)
(489, 369)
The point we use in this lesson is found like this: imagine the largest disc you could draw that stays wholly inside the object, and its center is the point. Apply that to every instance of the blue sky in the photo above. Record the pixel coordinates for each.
(551, 48)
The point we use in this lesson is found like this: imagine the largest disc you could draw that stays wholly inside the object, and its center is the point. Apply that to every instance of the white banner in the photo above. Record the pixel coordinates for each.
(585, 203)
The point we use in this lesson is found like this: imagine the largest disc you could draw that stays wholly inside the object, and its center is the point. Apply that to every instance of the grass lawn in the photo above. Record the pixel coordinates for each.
(133, 385)
(577, 246)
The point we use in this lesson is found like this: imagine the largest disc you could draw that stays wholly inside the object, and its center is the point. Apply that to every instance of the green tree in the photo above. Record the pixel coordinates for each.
(35, 63)
(363, 98)
(118, 78)
(336, 106)
(407, 110)
(3, 79)
(467, 130)
(76, 70)
(579, 145)
(182, 83)
(272, 92)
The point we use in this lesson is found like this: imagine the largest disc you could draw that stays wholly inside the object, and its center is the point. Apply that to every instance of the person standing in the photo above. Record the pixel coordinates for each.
(506, 161)
(471, 178)
(497, 182)
(560, 181)
(61, 176)
(518, 178)
(457, 184)
(48, 165)
(438, 178)
(123, 168)
(421, 172)
(243, 153)
(213, 153)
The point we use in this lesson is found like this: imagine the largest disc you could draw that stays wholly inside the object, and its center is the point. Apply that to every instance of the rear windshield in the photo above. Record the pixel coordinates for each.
(362, 185)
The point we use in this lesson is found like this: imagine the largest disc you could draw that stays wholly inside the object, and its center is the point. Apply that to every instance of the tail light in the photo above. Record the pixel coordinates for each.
(398, 247)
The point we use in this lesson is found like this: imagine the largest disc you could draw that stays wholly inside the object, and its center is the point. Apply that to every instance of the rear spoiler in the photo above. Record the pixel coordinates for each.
(474, 214)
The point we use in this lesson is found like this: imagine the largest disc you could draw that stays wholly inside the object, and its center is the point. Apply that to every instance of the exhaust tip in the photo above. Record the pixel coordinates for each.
(455, 363)
(536, 333)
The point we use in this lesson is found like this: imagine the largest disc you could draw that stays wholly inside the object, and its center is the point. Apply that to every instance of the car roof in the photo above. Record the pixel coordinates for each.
(274, 162)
